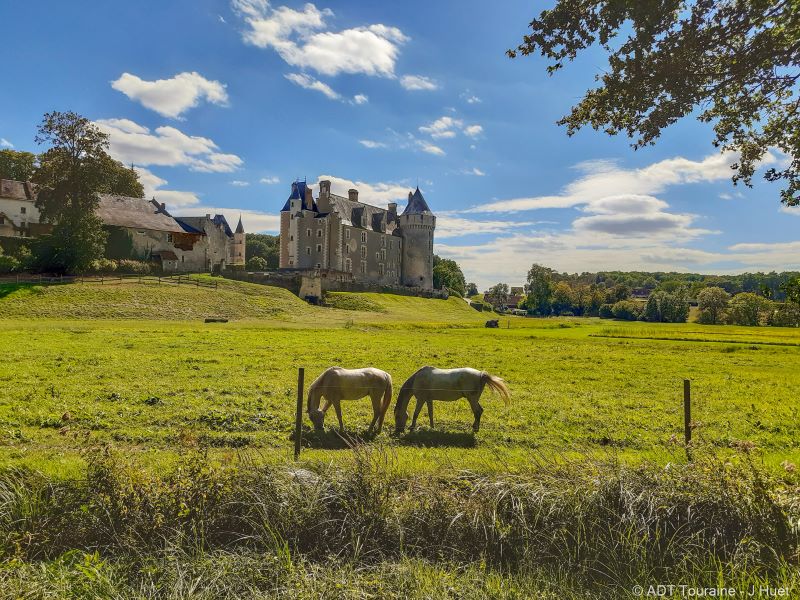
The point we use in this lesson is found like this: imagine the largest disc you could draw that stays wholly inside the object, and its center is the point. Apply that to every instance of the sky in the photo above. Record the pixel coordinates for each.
(221, 104)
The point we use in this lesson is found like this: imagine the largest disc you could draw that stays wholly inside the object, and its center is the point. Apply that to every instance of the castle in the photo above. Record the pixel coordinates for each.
(370, 244)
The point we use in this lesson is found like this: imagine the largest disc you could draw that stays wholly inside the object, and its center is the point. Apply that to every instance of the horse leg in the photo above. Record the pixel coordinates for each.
(326, 405)
(337, 405)
(417, 409)
(376, 410)
(477, 410)
(430, 411)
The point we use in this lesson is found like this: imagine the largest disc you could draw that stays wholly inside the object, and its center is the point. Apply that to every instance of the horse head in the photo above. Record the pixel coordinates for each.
(317, 418)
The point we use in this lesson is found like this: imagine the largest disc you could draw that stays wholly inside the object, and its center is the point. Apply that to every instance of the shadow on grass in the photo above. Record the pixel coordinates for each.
(9, 288)
(332, 439)
(430, 438)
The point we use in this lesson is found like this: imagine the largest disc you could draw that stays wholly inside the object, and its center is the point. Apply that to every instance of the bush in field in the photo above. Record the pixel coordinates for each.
(606, 311)
(8, 264)
(784, 314)
(666, 307)
(627, 310)
(134, 267)
(103, 265)
(256, 263)
(748, 309)
(712, 302)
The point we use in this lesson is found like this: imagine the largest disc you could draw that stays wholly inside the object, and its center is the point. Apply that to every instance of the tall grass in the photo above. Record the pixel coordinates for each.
(583, 525)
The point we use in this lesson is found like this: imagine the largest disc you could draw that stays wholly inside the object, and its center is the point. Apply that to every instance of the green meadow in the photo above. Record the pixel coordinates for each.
(71, 377)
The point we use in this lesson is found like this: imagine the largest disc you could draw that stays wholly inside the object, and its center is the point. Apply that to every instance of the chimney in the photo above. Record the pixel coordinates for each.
(410, 195)
(163, 207)
(309, 203)
(208, 217)
(324, 187)
(392, 212)
(352, 195)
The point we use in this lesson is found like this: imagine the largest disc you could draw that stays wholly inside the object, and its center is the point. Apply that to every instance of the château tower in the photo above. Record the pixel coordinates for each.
(238, 257)
(416, 226)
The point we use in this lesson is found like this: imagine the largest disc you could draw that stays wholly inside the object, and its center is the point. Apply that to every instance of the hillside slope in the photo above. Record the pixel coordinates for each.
(231, 299)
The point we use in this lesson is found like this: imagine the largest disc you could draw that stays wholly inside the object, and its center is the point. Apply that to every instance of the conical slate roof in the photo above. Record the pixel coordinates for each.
(240, 227)
(416, 204)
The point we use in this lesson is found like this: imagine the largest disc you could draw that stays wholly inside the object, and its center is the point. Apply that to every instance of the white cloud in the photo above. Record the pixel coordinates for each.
(172, 97)
(302, 40)
(4, 143)
(430, 148)
(240, 183)
(307, 81)
(418, 82)
(172, 198)
(166, 146)
(443, 127)
(371, 144)
(269, 180)
(360, 99)
(602, 178)
(473, 171)
(473, 130)
(473, 100)
(791, 210)
(377, 194)
(451, 226)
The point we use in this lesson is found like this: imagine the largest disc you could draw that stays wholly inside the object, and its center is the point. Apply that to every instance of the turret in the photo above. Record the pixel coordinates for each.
(416, 226)
(239, 258)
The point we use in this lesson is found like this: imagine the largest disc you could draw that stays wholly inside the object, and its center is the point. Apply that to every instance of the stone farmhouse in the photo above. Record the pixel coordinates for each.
(364, 243)
(137, 229)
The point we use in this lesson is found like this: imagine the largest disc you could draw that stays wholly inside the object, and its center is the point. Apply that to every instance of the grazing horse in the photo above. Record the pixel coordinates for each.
(429, 384)
(336, 384)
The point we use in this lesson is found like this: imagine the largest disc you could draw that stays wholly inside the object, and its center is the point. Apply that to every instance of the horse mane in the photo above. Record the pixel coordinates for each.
(313, 388)
(404, 395)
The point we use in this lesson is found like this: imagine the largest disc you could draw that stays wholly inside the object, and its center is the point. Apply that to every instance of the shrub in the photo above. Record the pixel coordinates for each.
(103, 265)
(134, 267)
(606, 311)
(257, 264)
(712, 302)
(627, 310)
(8, 264)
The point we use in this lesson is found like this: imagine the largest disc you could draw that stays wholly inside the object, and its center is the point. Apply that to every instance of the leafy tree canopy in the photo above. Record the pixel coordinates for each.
(447, 274)
(17, 165)
(734, 62)
(265, 247)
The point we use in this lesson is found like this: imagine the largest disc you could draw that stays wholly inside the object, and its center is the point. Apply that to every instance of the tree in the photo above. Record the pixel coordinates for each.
(118, 179)
(17, 165)
(792, 290)
(538, 289)
(663, 307)
(70, 174)
(562, 299)
(712, 302)
(256, 263)
(497, 296)
(472, 290)
(263, 246)
(447, 274)
(748, 309)
(627, 310)
(734, 62)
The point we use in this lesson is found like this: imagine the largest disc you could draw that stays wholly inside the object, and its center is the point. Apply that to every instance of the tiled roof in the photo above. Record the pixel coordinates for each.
(18, 190)
(135, 213)
(351, 212)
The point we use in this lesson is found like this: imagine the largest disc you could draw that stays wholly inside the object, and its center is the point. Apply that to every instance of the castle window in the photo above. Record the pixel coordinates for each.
(363, 237)
(347, 234)
(348, 265)
(169, 237)
(319, 247)
(318, 265)
(308, 233)
(291, 262)
(383, 254)
(2, 221)
(363, 252)
(363, 267)
(377, 256)
(308, 249)
(319, 232)
(291, 238)
(383, 242)
(380, 268)
(22, 210)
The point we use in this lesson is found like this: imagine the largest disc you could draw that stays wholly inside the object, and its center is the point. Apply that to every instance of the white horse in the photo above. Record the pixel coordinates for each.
(429, 384)
(336, 384)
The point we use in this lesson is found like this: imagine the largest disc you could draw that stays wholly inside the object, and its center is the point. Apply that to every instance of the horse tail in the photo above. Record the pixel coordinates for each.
(497, 385)
(387, 400)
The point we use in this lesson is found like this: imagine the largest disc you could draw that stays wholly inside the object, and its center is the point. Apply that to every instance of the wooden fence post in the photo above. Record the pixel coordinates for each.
(687, 415)
(298, 422)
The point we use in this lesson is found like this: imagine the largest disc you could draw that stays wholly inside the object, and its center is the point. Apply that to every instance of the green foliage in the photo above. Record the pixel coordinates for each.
(8, 264)
(627, 310)
(447, 275)
(118, 179)
(663, 307)
(256, 263)
(119, 244)
(734, 63)
(17, 165)
(471, 290)
(712, 302)
(538, 289)
(103, 265)
(784, 314)
(562, 299)
(134, 267)
(792, 290)
(606, 311)
(497, 296)
(263, 246)
(70, 174)
(748, 309)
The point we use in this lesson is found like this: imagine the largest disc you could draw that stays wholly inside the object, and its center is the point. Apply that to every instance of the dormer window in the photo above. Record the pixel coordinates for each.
(363, 237)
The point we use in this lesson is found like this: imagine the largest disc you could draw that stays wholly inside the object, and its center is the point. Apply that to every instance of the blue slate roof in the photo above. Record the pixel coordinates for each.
(220, 220)
(298, 193)
(186, 227)
(417, 204)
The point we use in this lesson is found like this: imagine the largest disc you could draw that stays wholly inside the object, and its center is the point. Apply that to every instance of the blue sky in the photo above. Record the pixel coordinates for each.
(220, 104)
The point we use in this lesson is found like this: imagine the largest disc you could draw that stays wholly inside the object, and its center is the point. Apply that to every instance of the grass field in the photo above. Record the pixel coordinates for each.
(134, 366)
